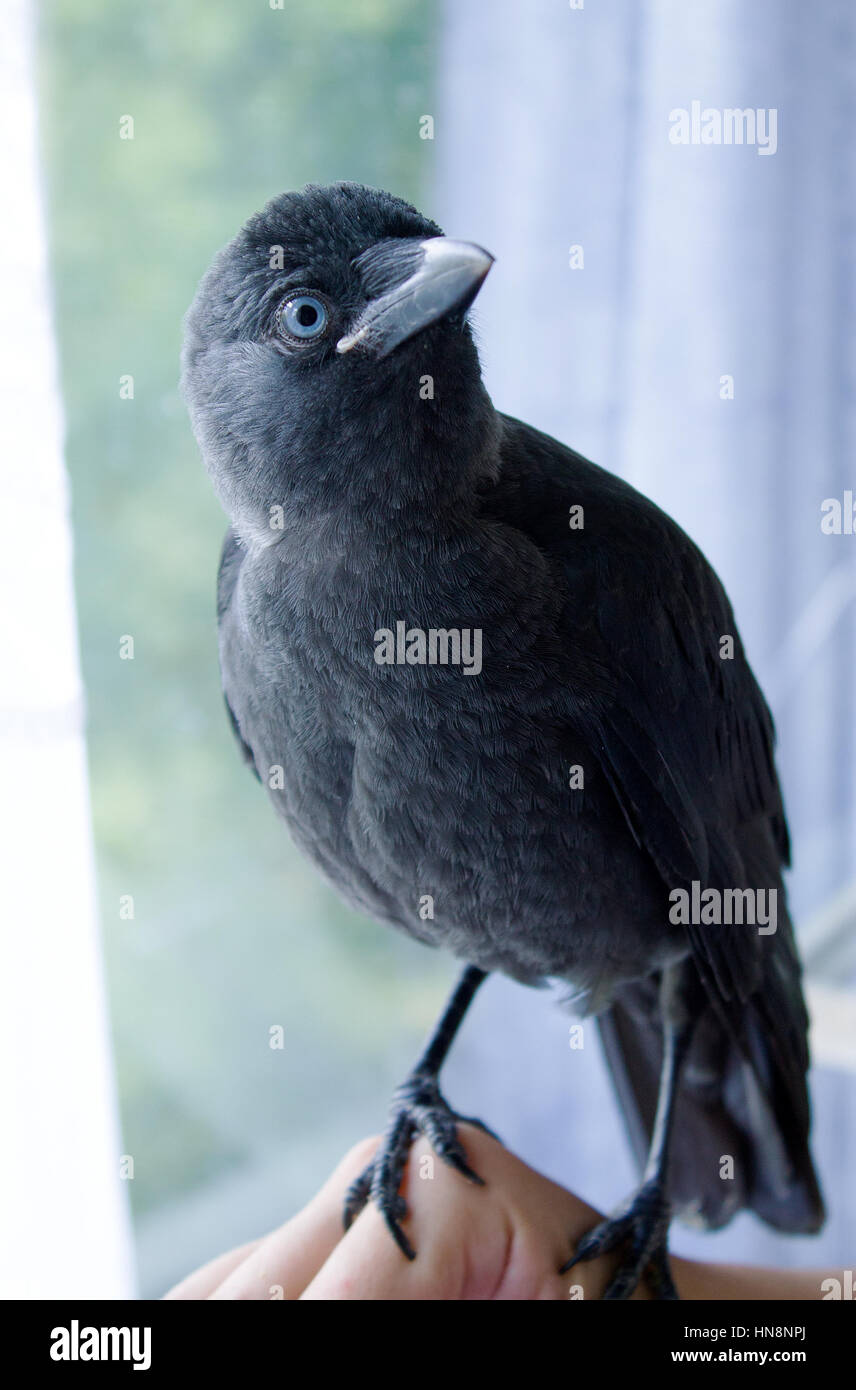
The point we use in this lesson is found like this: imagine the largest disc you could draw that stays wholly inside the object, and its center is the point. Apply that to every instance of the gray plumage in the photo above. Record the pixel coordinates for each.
(601, 650)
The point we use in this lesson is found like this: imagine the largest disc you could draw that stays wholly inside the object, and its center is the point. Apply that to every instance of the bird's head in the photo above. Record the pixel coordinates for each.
(327, 355)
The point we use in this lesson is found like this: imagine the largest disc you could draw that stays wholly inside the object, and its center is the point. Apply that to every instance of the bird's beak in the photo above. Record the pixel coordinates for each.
(448, 276)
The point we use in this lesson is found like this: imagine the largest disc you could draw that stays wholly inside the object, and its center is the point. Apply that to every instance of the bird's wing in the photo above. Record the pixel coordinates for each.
(685, 739)
(227, 577)
(674, 716)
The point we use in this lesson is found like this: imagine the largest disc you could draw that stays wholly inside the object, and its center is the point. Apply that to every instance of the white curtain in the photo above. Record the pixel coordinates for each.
(700, 262)
(63, 1213)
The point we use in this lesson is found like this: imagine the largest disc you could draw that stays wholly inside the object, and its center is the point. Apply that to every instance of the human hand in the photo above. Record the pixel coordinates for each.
(506, 1240)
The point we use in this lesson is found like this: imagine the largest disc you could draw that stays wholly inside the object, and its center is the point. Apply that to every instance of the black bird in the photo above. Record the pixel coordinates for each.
(499, 698)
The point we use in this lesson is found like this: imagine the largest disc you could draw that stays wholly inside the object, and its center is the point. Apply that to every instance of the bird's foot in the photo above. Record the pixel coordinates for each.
(417, 1108)
(642, 1227)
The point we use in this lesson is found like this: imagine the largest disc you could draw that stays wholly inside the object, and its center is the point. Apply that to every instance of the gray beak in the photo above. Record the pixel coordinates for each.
(448, 276)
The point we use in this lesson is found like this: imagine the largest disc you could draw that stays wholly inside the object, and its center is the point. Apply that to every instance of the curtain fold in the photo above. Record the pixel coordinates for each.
(702, 348)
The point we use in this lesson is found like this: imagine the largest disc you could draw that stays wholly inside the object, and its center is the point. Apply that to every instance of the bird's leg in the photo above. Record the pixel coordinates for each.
(418, 1108)
(642, 1224)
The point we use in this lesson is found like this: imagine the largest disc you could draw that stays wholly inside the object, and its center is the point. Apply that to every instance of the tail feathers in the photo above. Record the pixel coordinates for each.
(739, 1140)
(776, 1116)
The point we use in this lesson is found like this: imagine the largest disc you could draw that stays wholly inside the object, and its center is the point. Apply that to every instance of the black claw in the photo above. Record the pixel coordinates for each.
(600, 1241)
(418, 1108)
(399, 1237)
(622, 1284)
(643, 1227)
(466, 1171)
(456, 1160)
(660, 1276)
(578, 1255)
(357, 1195)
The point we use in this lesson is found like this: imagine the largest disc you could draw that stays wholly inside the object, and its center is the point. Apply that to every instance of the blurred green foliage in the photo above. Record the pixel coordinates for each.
(232, 103)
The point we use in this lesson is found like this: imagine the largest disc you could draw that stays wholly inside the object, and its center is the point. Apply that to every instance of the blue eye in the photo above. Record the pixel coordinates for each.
(303, 316)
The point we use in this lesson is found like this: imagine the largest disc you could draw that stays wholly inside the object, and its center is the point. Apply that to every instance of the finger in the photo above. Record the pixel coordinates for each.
(282, 1264)
(556, 1219)
(202, 1282)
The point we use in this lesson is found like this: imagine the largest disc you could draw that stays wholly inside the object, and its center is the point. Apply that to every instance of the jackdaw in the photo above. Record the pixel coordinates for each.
(499, 699)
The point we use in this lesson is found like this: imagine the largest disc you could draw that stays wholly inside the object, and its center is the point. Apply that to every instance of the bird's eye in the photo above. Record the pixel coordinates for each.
(302, 316)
